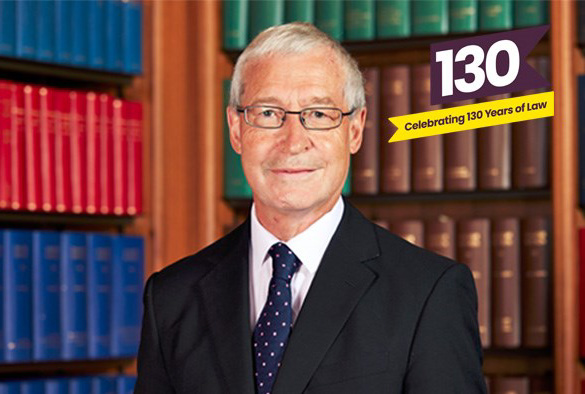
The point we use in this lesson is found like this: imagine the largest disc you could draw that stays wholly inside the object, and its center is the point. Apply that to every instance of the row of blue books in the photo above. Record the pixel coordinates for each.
(69, 295)
(97, 34)
(100, 384)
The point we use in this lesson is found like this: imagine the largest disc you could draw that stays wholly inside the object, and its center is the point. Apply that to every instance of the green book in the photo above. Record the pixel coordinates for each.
(495, 14)
(346, 191)
(392, 18)
(299, 10)
(264, 14)
(530, 13)
(235, 184)
(235, 24)
(359, 20)
(430, 17)
(329, 17)
(462, 16)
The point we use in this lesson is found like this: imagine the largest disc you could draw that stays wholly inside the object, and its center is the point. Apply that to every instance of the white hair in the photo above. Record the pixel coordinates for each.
(298, 38)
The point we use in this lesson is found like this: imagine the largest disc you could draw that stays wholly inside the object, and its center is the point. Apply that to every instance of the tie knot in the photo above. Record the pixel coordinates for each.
(284, 262)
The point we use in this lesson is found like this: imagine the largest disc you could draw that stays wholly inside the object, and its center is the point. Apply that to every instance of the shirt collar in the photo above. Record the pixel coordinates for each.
(309, 246)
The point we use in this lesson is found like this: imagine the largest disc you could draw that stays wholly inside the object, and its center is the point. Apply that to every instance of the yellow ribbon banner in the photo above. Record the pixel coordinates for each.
(473, 116)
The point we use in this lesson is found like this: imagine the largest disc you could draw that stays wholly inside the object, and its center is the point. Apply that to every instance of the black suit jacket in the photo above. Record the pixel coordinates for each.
(381, 316)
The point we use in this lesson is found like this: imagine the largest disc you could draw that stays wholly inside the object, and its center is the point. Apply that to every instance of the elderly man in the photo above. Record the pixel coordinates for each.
(307, 296)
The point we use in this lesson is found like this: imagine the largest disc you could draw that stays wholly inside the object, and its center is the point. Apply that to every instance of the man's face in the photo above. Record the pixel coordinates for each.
(292, 169)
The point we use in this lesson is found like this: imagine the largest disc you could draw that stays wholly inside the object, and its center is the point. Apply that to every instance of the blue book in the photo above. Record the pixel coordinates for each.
(26, 25)
(79, 33)
(126, 384)
(17, 295)
(12, 387)
(113, 26)
(103, 385)
(35, 386)
(95, 43)
(73, 295)
(45, 31)
(132, 37)
(7, 27)
(46, 295)
(2, 345)
(80, 385)
(63, 31)
(99, 294)
(56, 386)
(127, 284)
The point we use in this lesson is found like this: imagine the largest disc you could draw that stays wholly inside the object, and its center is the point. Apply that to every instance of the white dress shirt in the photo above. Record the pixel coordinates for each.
(309, 246)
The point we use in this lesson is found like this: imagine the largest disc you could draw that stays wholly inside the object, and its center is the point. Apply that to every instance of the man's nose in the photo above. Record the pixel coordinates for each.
(295, 136)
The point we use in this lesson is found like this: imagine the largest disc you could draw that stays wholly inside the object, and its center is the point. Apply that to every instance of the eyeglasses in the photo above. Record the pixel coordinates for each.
(317, 118)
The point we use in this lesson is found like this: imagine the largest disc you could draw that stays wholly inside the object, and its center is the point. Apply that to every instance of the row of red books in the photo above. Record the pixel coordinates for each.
(511, 264)
(69, 151)
(520, 384)
(509, 156)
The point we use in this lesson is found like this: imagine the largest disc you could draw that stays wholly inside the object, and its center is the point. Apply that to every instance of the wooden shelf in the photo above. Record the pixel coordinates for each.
(24, 219)
(64, 367)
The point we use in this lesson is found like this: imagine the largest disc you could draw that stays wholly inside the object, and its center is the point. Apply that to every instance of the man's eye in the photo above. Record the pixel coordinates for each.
(317, 114)
(267, 113)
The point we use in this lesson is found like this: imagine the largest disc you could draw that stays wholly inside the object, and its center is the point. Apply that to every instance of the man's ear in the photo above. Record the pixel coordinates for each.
(356, 129)
(235, 126)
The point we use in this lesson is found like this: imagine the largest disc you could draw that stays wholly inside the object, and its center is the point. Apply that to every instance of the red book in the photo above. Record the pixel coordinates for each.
(133, 116)
(410, 230)
(62, 151)
(440, 236)
(78, 151)
(460, 157)
(510, 385)
(92, 153)
(32, 148)
(106, 171)
(17, 150)
(47, 159)
(120, 159)
(6, 97)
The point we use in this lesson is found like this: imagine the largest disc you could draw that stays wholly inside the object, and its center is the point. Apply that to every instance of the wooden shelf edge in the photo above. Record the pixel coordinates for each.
(64, 367)
(9, 218)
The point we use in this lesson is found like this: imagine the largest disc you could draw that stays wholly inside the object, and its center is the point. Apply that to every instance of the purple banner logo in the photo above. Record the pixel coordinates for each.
(485, 65)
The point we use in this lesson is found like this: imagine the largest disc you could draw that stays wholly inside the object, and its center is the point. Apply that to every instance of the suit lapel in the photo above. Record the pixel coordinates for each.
(225, 295)
(340, 282)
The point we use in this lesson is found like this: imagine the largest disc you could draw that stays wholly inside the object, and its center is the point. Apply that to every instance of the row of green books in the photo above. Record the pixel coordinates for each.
(366, 20)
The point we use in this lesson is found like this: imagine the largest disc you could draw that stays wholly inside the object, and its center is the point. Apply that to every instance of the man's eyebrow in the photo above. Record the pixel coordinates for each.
(321, 100)
(269, 100)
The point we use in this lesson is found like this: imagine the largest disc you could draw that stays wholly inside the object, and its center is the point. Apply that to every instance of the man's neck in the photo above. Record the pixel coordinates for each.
(285, 225)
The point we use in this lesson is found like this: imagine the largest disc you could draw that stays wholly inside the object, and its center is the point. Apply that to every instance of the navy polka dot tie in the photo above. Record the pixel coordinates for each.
(275, 322)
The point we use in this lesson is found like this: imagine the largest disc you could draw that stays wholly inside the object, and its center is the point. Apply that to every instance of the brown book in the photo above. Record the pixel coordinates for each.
(510, 385)
(494, 154)
(365, 172)
(506, 283)
(410, 230)
(473, 249)
(530, 142)
(541, 385)
(460, 157)
(440, 236)
(395, 157)
(536, 283)
(427, 152)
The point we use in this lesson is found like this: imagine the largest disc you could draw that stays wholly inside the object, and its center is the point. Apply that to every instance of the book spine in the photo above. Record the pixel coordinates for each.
(440, 236)
(536, 283)
(359, 22)
(7, 28)
(99, 294)
(73, 296)
(410, 230)
(79, 33)
(32, 386)
(17, 154)
(133, 117)
(46, 292)
(392, 18)
(509, 384)
(103, 385)
(530, 13)
(126, 384)
(92, 153)
(56, 386)
(427, 153)
(430, 17)
(63, 31)
(113, 31)
(299, 10)
(45, 31)
(365, 171)
(79, 385)
(395, 159)
(235, 24)
(495, 15)
(62, 151)
(346, 190)
(96, 34)
(127, 283)
(462, 16)
(506, 282)
(120, 158)
(78, 150)
(3, 261)
(495, 154)
(26, 29)
(460, 158)
(32, 148)
(132, 36)
(6, 105)
(18, 295)
(473, 249)
(264, 14)
(541, 385)
(47, 143)
(106, 181)
(329, 17)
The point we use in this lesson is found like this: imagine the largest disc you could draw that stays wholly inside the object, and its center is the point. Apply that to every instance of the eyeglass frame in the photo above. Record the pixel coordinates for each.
(244, 109)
